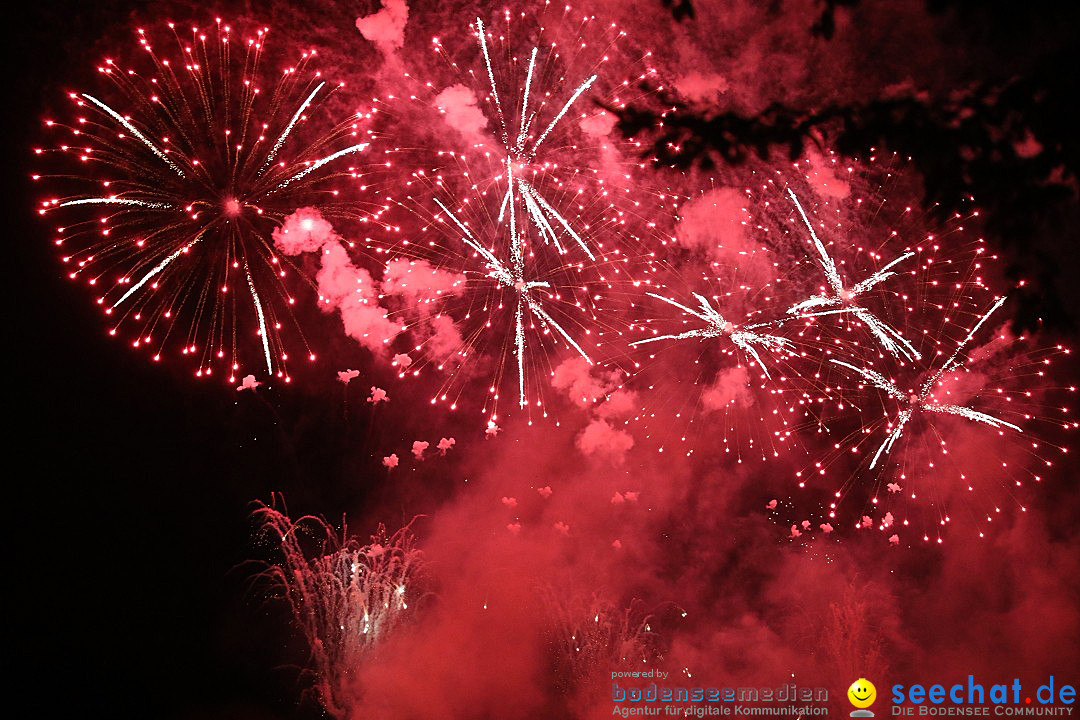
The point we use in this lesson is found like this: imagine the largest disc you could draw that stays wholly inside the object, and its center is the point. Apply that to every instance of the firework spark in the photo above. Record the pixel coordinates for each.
(744, 337)
(192, 162)
(843, 299)
(920, 400)
(345, 599)
(525, 178)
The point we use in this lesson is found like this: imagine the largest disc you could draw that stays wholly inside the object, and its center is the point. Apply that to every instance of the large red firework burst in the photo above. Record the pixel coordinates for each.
(502, 176)
(961, 414)
(168, 179)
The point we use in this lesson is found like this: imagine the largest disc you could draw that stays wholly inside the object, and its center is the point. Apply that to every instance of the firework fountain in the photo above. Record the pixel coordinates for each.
(345, 599)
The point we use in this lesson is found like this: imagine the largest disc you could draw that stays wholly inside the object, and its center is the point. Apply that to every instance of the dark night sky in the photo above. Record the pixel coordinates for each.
(132, 484)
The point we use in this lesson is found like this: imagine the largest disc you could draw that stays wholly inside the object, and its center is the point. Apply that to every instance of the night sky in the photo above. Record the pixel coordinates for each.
(133, 514)
(133, 483)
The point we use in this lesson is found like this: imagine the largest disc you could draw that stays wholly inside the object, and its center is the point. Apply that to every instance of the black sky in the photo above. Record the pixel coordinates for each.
(131, 484)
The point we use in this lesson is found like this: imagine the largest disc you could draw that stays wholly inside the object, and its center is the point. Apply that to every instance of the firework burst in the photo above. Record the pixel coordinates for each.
(169, 180)
(589, 637)
(841, 299)
(345, 598)
(746, 367)
(522, 194)
(966, 436)
(956, 415)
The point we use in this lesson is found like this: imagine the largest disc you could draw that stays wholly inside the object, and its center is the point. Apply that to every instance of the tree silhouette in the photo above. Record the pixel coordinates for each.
(1009, 141)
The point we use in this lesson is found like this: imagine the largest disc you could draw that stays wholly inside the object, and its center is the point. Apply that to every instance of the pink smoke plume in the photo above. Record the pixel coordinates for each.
(346, 376)
(701, 87)
(351, 291)
(458, 105)
(826, 176)
(386, 28)
(731, 387)
(603, 439)
(717, 224)
(441, 337)
(342, 287)
(419, 282)
(576, 378)
(598, 391)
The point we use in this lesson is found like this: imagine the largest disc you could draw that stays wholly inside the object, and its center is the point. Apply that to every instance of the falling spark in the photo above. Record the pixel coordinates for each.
(743, 337)
(920, 401)
(844, 298)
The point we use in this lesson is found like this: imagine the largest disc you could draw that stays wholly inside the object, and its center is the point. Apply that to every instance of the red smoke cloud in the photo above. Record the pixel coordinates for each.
(342, 286)
(386, 28)
(545, 504)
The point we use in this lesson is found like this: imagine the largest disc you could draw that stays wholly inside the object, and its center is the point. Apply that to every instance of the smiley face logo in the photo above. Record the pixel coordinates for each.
(862, 693)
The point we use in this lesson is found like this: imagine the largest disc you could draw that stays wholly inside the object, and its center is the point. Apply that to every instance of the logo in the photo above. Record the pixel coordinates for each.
(862, 695)
(971, 698)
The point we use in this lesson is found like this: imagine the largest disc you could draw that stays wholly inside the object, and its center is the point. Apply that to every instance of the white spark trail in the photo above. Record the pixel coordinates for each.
(319, 163)
(539, 310)
(577, 93)
(537, 215)
(505, 202)
(157, 269)
(525, 104)
(544, 205)
(454, 218)
(897, 431)
(519, 349)
(492, 262)
(491, 77)
(827, 264)
(888, 337)
(288, 128)
(884, 334)
(952, 362)
(971, 415)
(517, 248)
(134, 131)
(262, 322)
(535, 207)
(116, 201)
(880, 276)
(876, 379)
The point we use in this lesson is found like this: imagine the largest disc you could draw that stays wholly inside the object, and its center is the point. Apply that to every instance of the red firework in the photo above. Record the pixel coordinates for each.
(168, 180)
